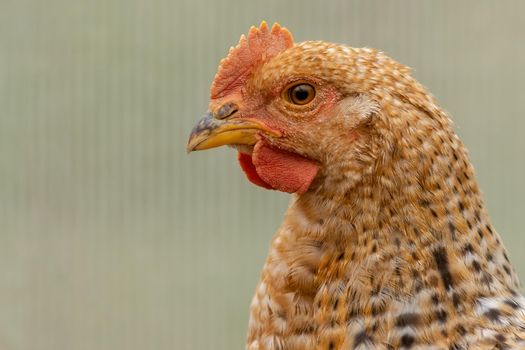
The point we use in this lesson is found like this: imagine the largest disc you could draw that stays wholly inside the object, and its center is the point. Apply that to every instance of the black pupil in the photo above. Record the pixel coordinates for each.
(301, 93)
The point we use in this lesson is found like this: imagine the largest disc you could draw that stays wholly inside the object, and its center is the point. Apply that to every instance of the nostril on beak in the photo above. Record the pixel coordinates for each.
(226, 110)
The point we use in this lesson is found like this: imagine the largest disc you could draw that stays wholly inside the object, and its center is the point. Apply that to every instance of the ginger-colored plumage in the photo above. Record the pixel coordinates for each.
(389, 246)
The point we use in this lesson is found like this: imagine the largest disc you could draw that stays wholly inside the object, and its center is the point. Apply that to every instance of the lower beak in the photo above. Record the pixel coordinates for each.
(210, 132)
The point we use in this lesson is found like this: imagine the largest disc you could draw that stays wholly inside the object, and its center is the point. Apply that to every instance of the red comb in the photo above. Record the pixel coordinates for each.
(262, 43)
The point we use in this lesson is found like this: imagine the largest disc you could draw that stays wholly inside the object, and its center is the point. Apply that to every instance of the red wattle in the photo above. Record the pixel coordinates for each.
(273, 168)
(245, 160)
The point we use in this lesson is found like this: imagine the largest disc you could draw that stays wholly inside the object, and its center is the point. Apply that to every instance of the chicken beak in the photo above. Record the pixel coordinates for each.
(211, 132)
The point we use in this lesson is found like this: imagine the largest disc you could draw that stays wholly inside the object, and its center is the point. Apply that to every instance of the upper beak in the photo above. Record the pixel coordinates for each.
(211, 132)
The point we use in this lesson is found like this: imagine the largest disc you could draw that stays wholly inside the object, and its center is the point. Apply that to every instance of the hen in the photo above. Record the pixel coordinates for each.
(387, 243)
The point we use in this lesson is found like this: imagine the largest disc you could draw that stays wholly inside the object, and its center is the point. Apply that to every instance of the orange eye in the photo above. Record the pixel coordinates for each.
(301, 94)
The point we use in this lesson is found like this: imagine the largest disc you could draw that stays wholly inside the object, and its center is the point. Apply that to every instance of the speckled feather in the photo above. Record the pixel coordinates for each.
(391, 247)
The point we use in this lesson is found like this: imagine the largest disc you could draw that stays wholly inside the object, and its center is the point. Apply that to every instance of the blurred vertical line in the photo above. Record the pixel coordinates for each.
(186, 313)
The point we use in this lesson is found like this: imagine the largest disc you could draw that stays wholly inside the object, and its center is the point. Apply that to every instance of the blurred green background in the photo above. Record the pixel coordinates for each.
(111, 237)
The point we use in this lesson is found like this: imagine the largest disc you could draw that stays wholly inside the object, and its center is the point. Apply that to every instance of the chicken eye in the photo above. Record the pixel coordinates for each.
(301, 94)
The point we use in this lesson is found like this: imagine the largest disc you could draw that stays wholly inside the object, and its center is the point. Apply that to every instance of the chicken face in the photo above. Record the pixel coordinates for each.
(284, 109)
